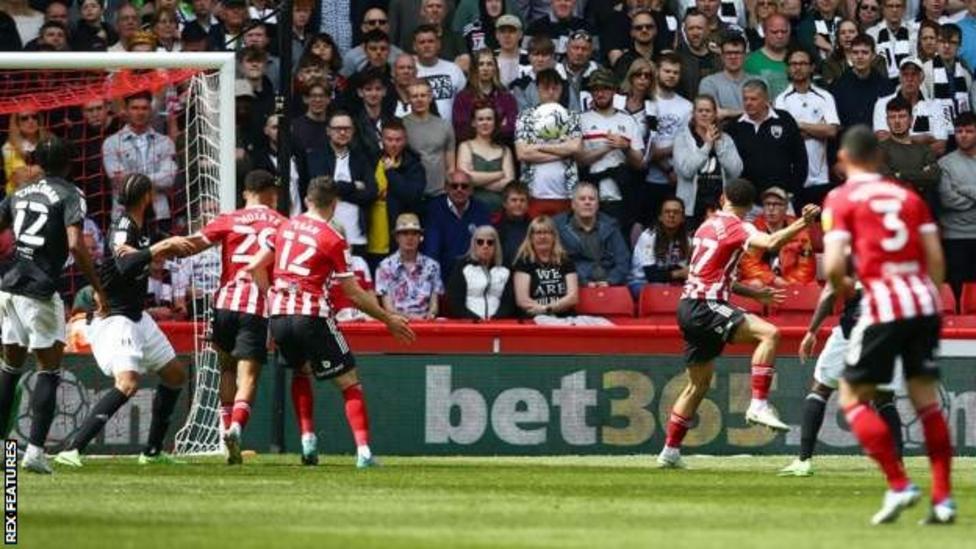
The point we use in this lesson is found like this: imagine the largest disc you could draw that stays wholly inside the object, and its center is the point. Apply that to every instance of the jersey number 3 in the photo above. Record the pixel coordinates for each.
(27, 233)
(889, 210)
(297, 264)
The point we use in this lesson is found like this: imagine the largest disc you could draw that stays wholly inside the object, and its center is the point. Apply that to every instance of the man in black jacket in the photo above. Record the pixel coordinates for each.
(769, 142)
(352, 172)
(400, 182)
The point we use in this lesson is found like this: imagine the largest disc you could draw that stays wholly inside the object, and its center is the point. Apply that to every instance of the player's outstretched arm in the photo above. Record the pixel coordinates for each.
(396, 324)
(934, 258)
(776, 240)
(766, 295)
(186, 246)
(825, 306)
(78, 249)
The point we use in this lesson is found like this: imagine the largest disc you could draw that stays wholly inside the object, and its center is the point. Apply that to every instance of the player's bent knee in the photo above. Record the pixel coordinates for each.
(127, 383)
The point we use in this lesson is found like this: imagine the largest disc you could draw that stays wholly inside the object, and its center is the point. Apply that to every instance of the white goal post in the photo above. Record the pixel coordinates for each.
(210, 179)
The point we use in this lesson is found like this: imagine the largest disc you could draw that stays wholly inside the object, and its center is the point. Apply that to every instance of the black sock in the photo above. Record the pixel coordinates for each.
(162, 409)
(43, 404)
(8, 397)
(104, 409)
(889, 413)
(814, 408)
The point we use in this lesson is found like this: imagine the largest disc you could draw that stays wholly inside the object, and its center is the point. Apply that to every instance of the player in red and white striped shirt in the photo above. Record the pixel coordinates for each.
(899, 260)
(240, 325)
(308, 254)
(708, 320)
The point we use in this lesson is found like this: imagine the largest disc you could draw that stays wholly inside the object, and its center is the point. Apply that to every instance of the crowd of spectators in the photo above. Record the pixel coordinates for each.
(494, 156)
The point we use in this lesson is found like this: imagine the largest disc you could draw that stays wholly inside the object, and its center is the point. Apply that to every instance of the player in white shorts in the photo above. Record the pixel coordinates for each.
(828, 371)
(46, 215)
(127, 343)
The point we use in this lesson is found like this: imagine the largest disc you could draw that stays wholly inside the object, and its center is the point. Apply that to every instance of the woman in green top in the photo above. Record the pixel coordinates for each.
(485, 159)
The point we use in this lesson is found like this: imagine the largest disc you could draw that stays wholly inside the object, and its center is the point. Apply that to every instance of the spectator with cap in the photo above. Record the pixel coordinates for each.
(510, 56)
(409, 282)
(612, 148)
(769, 142)
(593, 240)
(480, 286)
(793, 263)
(957, 194)
(815, 113)
(912, 163)
(451, 220)
(928, 121)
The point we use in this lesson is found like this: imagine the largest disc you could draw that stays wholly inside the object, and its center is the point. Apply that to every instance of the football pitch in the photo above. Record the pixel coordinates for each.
(272, 502)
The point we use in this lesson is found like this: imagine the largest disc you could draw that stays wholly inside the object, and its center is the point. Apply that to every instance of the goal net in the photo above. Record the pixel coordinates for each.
(185, 142)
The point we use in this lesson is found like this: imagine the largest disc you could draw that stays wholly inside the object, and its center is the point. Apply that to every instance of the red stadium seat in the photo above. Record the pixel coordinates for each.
(967, 303)
(610, 301)
(659, 300)
(948, 300)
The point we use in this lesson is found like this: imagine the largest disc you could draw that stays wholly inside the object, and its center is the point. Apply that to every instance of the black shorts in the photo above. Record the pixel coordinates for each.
(872, 350)
(241, 335)
(707, 325)
(315, 340)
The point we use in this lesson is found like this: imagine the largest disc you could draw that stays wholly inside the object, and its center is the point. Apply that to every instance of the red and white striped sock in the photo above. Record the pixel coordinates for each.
(303, 401)
(356, 414)
(762, 380)
(873, 434)
(242, 412)
(226, 411)
(938, 445)
(676, 430)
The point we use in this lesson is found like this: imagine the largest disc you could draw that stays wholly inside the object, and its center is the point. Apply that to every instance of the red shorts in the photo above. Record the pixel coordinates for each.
(547, 206)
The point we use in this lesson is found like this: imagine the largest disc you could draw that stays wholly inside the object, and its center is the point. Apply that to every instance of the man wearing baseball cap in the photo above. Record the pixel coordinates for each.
(794, 263)
(612, 147)
(928, 126)
(408, 282)
(510, 55)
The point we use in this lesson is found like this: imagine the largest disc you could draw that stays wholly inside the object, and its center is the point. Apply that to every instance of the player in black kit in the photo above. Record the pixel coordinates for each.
(830, 366)
(46, 216)
(126, 342)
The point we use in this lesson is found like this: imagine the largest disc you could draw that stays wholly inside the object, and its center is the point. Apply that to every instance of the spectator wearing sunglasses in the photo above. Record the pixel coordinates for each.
(480, 287)
(355, 59)
(560, 24)
(451, 220)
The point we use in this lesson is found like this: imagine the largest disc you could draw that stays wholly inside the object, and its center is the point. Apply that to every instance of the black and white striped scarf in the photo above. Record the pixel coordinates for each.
(894, 48)
(824, 27)
(950, 90)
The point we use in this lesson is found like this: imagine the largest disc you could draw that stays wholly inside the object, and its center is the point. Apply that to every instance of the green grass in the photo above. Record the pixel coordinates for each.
(560, 502)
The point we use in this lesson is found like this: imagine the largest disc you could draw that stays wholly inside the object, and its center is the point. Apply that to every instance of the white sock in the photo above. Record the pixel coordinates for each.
(364, 451)
(758, 403)
(235, 427)
(34, 450)
(671, 451)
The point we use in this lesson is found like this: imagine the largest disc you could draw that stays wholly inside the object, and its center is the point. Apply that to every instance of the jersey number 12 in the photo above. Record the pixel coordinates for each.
(28, 233)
